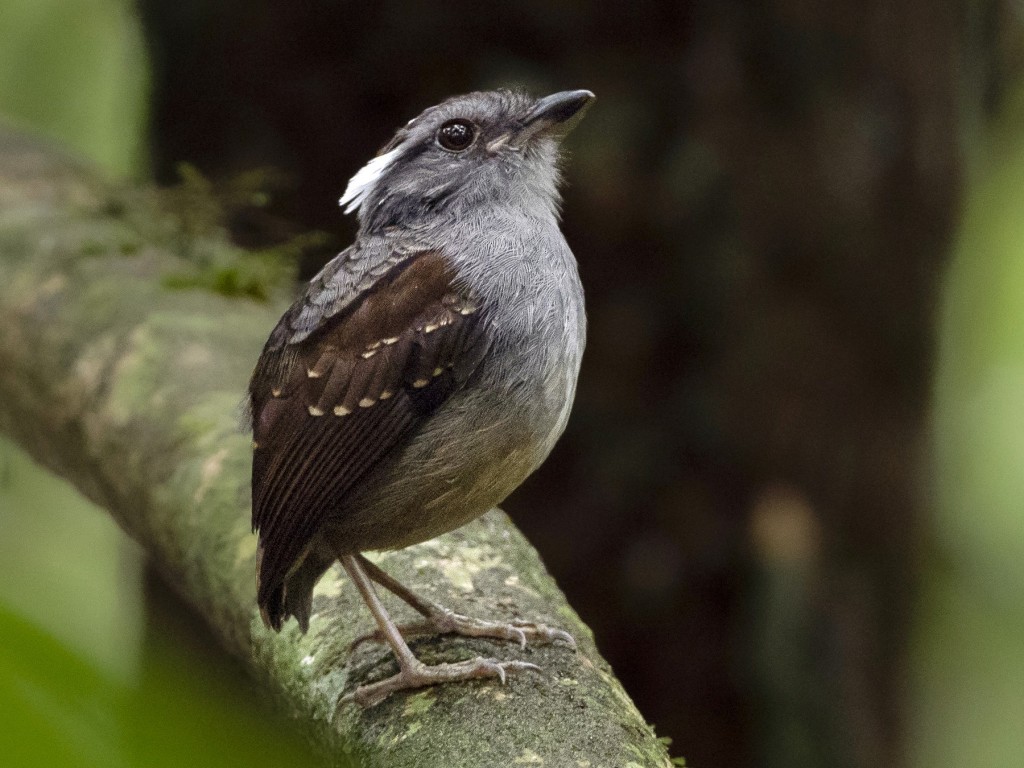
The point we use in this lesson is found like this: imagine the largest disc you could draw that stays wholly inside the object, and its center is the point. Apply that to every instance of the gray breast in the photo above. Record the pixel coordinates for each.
(487, 438)
(472, 453)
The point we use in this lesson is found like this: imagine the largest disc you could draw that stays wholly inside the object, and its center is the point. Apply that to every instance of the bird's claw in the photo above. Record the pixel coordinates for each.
(445, 622)
(420, 676)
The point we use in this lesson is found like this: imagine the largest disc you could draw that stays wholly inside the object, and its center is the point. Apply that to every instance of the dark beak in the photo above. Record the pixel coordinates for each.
(558, 113)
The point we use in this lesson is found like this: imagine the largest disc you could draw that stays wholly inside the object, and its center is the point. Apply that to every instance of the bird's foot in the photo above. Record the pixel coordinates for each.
(419, 675)
(442, 621)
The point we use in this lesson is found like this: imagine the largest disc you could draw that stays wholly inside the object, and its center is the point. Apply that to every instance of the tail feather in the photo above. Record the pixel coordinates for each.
(293, 597)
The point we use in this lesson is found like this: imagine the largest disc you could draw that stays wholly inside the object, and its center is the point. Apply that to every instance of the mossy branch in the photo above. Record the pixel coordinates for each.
(122, 368)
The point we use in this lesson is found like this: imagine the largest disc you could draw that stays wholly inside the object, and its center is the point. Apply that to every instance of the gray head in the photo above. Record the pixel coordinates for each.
(487, 147)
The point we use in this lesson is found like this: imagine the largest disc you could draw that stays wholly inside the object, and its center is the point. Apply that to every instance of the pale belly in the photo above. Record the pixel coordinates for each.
(469, 457)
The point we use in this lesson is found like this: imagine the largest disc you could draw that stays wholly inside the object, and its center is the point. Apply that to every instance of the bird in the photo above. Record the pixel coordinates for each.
(425, 372)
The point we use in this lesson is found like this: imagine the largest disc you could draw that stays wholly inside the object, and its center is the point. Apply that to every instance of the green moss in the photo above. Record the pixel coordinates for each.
(252, 276)
(419, 703)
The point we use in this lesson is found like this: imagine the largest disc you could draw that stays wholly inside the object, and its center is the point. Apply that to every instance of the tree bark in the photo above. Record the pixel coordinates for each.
(122, 368)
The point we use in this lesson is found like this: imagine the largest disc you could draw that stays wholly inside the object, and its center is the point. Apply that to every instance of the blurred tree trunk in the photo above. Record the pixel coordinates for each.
(840, 127)
(127, 331)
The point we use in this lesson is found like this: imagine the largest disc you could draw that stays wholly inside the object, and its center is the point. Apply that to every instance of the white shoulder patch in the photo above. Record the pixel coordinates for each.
(365, 180)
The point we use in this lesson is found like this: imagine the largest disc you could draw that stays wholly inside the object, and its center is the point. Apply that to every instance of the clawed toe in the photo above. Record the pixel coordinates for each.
(542, 634)
(436, 619)
(445, 622)
(521, 632)
(420, 676)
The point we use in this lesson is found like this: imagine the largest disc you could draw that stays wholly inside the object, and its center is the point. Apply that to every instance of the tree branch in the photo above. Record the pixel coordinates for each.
(129, 386)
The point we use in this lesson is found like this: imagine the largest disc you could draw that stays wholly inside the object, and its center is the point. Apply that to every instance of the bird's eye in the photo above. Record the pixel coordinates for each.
(456, 135)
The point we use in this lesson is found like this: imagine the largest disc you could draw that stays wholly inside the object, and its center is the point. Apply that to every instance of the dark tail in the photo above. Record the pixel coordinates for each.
(293, 597)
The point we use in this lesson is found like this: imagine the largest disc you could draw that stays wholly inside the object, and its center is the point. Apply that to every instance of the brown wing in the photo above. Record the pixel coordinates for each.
(327, 408)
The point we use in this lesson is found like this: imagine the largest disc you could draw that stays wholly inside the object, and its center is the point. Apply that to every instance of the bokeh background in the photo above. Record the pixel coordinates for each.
(789, 501)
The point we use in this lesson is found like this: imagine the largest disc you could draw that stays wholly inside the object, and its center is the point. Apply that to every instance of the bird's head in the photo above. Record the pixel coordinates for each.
(487, 147)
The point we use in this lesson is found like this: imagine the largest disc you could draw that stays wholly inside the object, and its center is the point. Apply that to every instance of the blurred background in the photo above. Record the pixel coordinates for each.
(789, 498)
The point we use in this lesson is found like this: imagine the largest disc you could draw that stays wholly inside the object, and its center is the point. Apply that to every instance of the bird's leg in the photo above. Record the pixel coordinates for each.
(412, 672)
(441, 620)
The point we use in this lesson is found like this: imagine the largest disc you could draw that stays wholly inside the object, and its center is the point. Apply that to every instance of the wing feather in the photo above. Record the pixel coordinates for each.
(333, 401)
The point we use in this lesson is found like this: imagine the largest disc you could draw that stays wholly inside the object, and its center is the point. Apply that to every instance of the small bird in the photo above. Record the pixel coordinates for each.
(427, 370)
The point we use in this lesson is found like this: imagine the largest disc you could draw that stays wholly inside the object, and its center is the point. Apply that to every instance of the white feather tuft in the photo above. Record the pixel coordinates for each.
(365, 180)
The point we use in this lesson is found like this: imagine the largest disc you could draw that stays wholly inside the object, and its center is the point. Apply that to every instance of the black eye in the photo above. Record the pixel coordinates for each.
(456, 135)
